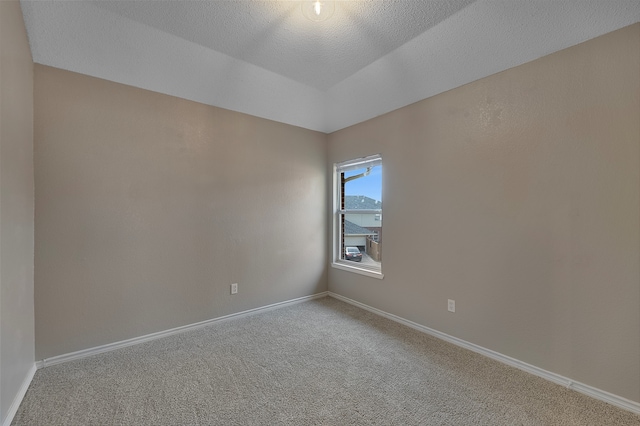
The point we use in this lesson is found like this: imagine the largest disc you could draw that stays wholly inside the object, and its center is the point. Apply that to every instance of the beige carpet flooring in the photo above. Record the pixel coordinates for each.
(321, 362)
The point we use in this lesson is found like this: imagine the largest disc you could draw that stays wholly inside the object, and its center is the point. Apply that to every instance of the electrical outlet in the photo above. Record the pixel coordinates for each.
(452, 305)
(234, 288)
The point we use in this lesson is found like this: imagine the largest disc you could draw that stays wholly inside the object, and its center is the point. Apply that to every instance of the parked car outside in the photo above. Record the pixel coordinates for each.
(352, 253)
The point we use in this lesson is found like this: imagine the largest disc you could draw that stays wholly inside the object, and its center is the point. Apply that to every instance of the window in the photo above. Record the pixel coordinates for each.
(358, 216)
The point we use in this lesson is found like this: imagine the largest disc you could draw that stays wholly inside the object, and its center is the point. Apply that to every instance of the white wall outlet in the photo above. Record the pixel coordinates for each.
(451, 305)
(234, 288)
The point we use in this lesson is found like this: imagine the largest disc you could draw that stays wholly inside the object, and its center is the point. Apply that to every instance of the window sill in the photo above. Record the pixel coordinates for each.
(355, 269)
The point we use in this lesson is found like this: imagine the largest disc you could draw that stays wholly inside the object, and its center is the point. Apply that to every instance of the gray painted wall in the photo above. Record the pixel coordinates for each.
(518, 197)
(148, 207)
(16, 206)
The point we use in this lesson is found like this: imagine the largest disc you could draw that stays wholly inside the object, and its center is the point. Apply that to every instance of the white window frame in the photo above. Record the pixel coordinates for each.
(337, 261)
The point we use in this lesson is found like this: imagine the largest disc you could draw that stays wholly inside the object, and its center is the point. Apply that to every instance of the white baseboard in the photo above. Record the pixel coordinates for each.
(153, 336)
(13, 409)
(596, 393)
(591, 391)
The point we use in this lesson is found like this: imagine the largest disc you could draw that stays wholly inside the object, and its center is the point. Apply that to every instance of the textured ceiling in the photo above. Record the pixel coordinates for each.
(264, 58)
(274, 35)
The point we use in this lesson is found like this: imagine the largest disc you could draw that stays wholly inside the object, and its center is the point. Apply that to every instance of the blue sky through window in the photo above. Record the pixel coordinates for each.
(370, 186)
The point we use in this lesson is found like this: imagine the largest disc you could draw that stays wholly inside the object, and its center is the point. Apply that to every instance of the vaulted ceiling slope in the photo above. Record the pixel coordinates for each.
(265, 59)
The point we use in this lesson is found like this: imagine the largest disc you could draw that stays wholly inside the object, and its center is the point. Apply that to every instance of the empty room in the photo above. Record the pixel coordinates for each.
(278, 212)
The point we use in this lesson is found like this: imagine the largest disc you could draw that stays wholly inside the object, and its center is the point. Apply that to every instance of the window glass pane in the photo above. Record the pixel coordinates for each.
(363, 189)
(362, 239)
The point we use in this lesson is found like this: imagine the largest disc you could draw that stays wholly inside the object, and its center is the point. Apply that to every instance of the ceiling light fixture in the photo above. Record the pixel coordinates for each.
(318, 10)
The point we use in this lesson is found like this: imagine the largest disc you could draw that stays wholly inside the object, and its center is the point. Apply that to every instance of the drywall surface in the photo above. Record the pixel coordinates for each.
(518, 197)
(16, 207)
(148, 207)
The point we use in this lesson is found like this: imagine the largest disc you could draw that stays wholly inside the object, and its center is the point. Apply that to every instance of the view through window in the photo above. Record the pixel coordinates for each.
(359, 212)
